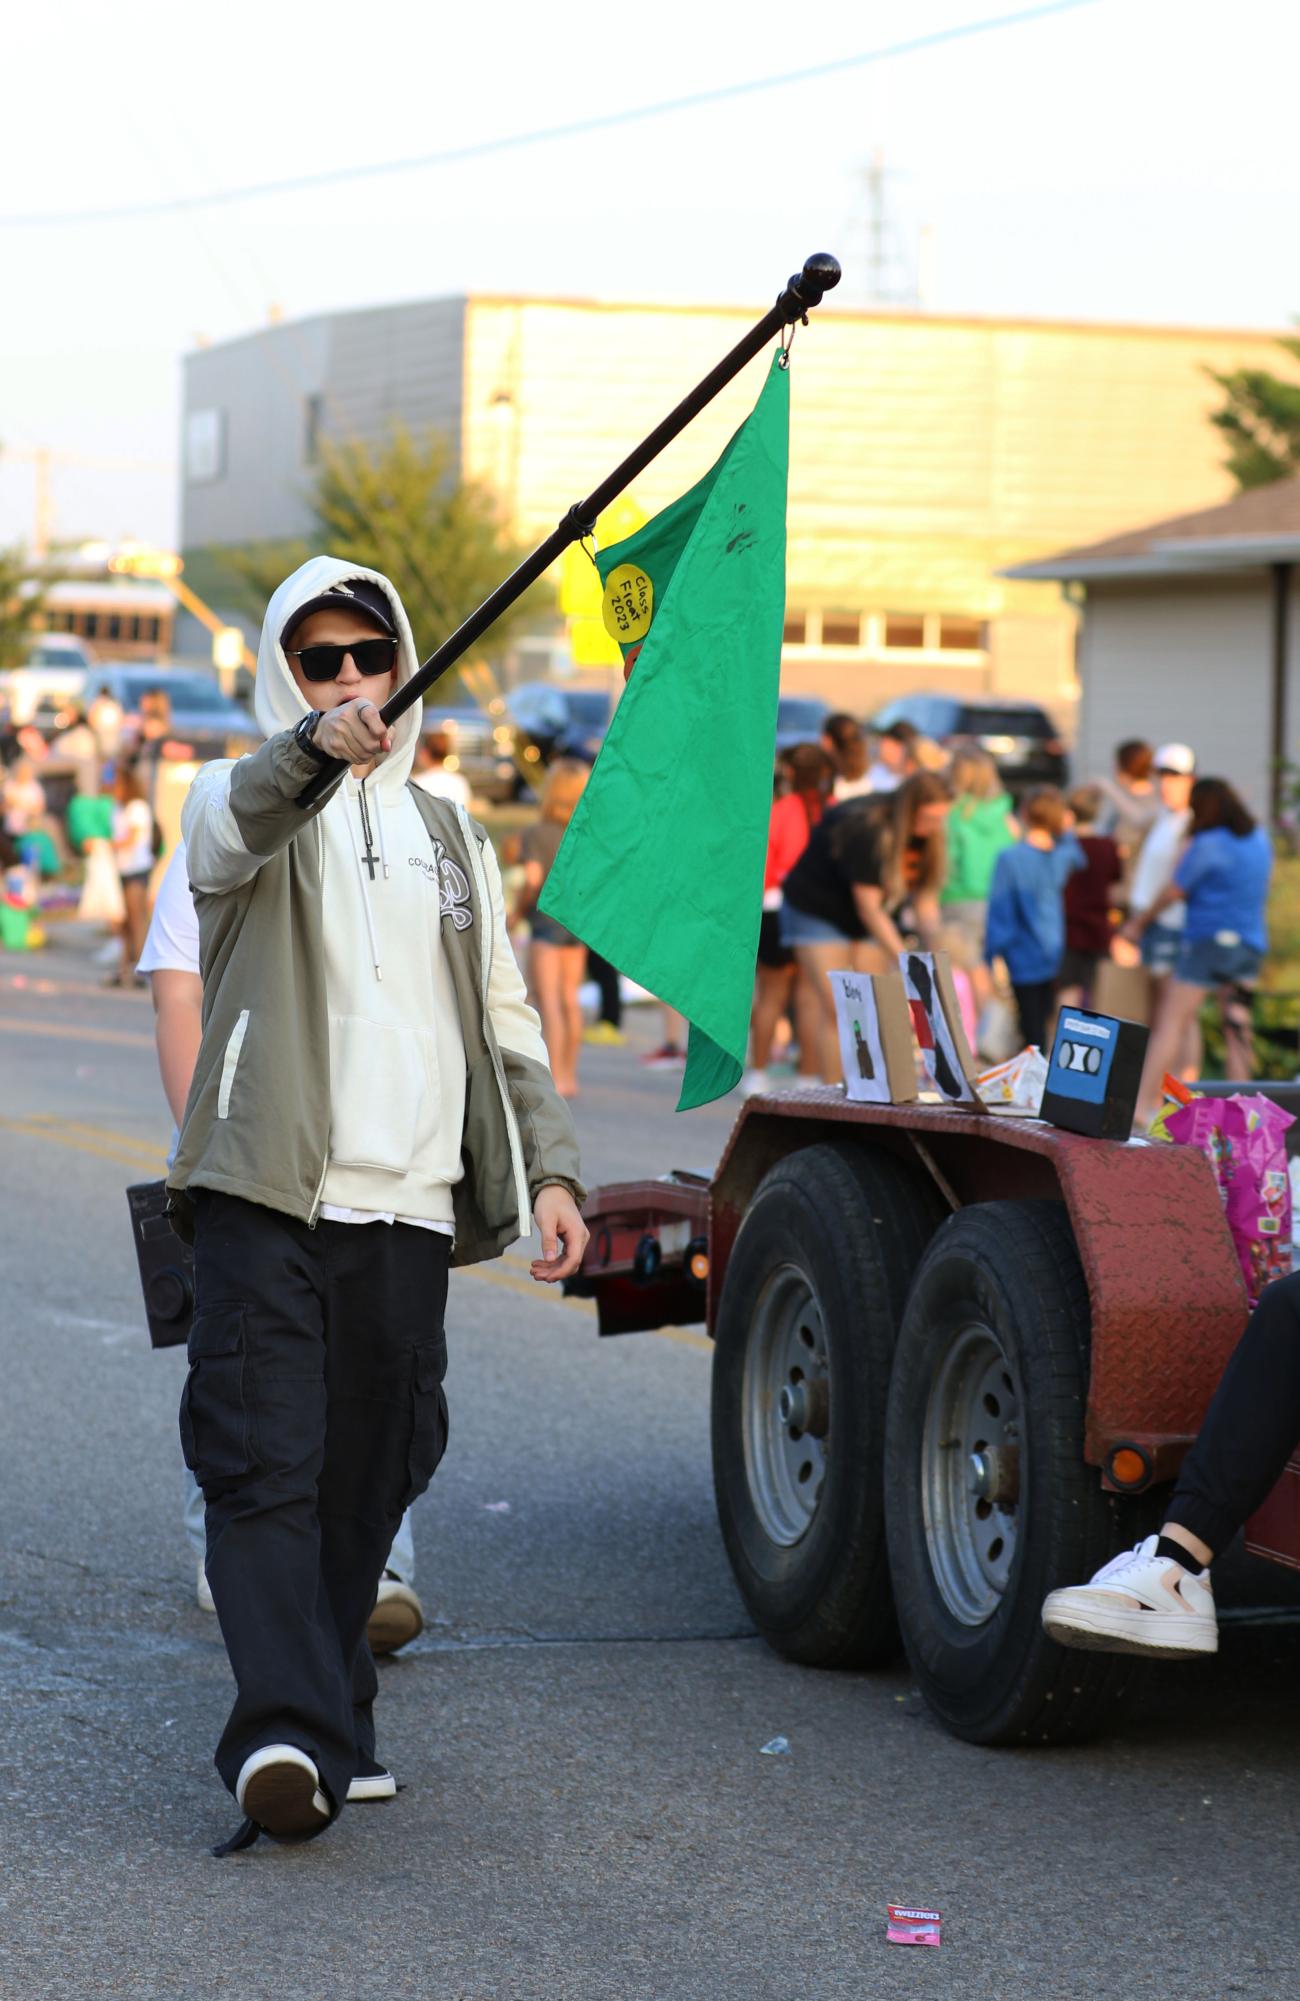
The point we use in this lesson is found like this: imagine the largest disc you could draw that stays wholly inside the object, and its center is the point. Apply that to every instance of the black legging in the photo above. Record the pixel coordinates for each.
(1251, 1427)
(611, 1000)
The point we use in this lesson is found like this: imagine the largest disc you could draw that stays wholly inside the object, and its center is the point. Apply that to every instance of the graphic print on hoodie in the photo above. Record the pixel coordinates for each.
(397, 1058)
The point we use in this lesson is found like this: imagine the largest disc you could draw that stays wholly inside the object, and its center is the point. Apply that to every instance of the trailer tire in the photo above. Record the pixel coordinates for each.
(989, 1502)
(819, 1275)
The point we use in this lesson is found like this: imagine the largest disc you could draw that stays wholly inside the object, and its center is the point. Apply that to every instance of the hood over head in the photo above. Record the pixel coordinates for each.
(279, 703)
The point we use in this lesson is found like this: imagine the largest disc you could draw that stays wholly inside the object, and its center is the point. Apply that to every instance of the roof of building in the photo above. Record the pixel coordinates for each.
(1249, 532)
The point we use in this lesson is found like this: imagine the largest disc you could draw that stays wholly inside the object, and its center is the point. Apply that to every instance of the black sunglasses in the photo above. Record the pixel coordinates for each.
(323, 663)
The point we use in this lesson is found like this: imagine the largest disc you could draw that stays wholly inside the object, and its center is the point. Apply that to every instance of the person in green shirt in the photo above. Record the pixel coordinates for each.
(980, 825)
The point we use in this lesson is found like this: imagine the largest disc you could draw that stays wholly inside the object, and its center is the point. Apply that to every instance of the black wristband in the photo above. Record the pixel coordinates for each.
(302, 736)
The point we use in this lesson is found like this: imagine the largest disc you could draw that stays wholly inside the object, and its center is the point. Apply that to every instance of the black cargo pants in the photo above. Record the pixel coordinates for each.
(312, 1416)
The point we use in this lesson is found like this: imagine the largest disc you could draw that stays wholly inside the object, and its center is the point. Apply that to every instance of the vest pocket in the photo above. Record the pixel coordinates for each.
(216, 1427)
(230, 1063)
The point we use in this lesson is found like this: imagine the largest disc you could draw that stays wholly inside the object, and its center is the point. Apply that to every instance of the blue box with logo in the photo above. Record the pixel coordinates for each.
(1094, 1074)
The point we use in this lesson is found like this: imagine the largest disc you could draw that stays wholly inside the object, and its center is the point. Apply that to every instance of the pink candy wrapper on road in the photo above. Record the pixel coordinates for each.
(908, 1926)
(1244, 1140)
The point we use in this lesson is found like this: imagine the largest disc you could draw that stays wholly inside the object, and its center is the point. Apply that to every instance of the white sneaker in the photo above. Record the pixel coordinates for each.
(279, 1788)
(1138, 1603)
(372, 1782)
(203, 1591)
(755, 1083)
(398, 1615)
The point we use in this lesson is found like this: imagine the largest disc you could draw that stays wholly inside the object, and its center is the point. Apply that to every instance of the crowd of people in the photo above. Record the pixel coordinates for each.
(1153, 866)
(87, 790)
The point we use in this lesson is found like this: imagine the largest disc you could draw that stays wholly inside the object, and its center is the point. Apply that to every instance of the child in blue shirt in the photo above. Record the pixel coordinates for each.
(1026, 922)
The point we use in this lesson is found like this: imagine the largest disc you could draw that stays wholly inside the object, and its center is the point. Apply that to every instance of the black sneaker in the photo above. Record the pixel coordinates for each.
(372, 1782)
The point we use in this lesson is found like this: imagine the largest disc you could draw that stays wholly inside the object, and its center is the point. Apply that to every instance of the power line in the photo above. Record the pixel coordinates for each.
(543, 135)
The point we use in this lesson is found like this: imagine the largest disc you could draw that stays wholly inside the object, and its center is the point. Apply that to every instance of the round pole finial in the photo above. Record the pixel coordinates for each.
(821, 271)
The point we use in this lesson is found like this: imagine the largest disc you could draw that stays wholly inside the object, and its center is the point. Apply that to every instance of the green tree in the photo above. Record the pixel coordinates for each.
(1260, 418)
(20, 605)
(397, 508)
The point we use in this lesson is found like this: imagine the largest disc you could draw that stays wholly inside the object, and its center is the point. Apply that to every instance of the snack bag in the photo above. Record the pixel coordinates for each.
(1020, 1082)
(907, 1926)
(1244, 1141)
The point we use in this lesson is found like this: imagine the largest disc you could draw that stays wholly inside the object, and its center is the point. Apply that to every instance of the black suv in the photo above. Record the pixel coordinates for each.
(1022, 739)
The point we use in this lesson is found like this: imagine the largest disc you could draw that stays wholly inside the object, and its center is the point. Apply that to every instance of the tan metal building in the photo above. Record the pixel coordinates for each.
(1190, 632)
(929, 454)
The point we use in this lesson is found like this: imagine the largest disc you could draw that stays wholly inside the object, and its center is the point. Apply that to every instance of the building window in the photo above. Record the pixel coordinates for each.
(149, 631)
(135, 628)
(795, 630)
(841, 628)
(904, 629)
(313, 410)
(205, 446)
(961, 635)
(113, 626)
(90, 625)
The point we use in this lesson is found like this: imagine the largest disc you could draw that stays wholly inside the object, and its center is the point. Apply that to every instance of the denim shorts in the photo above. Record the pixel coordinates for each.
(1211, 962)
(1161, 944)
(800, 927)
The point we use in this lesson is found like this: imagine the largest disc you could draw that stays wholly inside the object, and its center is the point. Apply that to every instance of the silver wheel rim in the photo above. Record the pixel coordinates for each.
(971, 1474)
(786, 1404)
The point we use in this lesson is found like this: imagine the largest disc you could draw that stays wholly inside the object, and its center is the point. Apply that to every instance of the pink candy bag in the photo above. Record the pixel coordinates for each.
(1244, 1141)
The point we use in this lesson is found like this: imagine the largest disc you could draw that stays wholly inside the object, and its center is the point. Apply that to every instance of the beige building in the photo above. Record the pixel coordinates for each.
(1189, 631)
(929, 455)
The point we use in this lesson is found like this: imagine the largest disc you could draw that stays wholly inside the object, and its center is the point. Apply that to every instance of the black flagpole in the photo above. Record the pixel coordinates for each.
(805, 290)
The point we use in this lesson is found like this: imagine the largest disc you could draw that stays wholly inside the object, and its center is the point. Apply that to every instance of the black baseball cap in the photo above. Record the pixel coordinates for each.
(353, 594)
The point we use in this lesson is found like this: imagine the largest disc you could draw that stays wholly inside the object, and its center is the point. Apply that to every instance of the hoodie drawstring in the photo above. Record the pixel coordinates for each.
(361, 869)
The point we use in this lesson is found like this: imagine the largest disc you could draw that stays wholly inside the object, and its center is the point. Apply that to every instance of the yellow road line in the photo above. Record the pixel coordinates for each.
(26, 1129)
(98, 1136)
(119, 1037)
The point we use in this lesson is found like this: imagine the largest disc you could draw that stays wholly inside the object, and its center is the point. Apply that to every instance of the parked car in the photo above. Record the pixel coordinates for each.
(554, 721)
(480, 747)
(201, 715)
(1021, 738)
(799, 719)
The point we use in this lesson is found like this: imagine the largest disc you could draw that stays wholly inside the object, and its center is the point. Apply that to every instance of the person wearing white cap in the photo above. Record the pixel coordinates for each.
(1159, 931)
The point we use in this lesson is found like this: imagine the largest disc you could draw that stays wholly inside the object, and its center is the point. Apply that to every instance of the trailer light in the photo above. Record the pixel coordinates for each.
(1129, 1466)
(697, 1262)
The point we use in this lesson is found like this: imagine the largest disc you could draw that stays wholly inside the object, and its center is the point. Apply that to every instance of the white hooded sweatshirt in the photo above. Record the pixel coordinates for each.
(397, 1058)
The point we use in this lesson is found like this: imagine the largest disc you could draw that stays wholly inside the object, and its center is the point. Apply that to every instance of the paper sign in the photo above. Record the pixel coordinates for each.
(937, 1024)
(629, 603)
(875, 1037)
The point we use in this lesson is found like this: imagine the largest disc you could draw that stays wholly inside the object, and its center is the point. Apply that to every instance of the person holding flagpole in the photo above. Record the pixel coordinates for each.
(371, 1103)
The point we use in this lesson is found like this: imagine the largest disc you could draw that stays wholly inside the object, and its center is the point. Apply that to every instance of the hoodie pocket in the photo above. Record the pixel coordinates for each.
(383, 1093)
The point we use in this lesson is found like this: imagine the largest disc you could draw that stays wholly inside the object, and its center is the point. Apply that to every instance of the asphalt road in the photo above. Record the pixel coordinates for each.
(587, 1811)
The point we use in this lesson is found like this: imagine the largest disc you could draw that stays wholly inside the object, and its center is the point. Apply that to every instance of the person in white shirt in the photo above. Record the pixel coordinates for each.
(429, 770)
(844, 740)
(1160, 936)
(133, 850)
(171, 960)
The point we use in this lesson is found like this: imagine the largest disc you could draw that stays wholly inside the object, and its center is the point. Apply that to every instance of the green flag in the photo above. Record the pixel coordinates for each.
(661, 868)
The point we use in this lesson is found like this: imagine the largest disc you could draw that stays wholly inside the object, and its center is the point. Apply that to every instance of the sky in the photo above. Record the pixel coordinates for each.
(1127, 160)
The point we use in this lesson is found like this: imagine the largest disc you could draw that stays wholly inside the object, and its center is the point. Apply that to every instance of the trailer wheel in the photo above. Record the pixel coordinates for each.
(805, 1336)
(990, 1504)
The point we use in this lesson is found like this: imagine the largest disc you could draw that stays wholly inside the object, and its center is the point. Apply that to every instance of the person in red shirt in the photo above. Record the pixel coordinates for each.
(795, 813)
(1089, 897)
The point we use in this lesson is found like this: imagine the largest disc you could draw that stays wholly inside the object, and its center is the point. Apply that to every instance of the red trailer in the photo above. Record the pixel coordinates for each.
(957, 1358)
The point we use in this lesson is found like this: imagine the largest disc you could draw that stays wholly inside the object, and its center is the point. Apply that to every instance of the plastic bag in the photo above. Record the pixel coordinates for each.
(1244, 1141)
(1021, 1082)
(101, 896)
